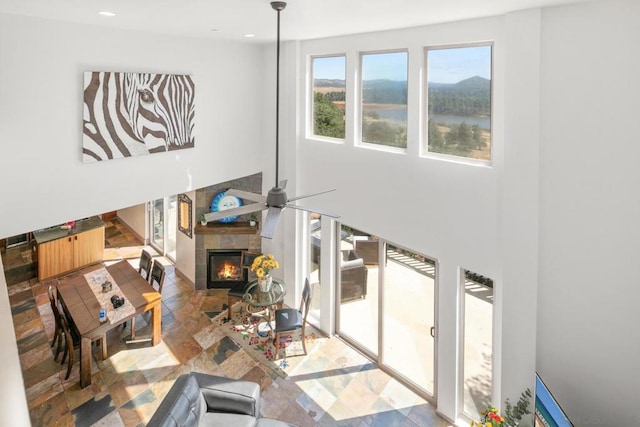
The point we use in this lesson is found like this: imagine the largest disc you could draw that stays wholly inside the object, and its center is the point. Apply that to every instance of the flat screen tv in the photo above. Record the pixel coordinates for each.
(548, 413)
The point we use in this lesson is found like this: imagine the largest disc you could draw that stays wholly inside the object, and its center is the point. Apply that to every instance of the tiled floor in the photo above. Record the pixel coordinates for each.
(334, 386)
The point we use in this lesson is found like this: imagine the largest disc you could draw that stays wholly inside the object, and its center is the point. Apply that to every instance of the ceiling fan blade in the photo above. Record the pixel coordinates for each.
(310, 195)
(283, 184)
(259, 198)
(271, 222)
(300, 208)
(246, 209)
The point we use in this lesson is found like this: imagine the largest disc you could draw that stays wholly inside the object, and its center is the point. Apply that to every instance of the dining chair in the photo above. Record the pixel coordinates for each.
(292, 320)
(235, 294)
(156, 277)
(72, 339)
(144, 267)
(57, 336)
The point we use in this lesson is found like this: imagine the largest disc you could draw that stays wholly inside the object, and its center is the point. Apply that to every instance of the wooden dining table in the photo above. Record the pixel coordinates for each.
(82, 305)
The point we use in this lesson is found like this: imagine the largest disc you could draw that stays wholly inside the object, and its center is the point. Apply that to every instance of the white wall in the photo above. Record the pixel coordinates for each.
(185, 246)
(41, 71)
(588, 318)
(44, 181)
(446, 210)
(13, 401)
(136, 218)
(554, 221)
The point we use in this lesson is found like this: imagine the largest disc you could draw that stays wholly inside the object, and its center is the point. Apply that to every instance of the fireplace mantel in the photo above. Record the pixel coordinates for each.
(238, 227)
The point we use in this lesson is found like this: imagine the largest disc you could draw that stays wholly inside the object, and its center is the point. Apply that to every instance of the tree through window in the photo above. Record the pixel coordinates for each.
(459, 101)
(329, 96)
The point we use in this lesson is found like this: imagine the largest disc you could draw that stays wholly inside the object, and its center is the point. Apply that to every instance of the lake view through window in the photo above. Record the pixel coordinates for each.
(459, 101)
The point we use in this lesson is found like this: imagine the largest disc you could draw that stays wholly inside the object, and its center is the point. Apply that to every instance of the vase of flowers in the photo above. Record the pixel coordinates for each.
(262, 265)
(489, 418)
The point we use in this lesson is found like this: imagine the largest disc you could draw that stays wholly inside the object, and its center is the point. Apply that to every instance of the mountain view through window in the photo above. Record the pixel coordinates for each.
(384, 98)
(459, 101)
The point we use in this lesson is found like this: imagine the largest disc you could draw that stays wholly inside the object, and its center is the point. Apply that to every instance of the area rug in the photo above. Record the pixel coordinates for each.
(251, 333)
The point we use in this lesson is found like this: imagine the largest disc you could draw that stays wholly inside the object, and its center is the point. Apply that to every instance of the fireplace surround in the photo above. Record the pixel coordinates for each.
(212, 237)
(224, 269)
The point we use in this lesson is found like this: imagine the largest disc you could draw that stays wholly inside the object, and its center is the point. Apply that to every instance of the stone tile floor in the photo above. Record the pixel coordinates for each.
(333, 386)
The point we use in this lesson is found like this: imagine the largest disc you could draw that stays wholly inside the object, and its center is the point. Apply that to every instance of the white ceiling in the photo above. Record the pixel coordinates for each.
(302, 19)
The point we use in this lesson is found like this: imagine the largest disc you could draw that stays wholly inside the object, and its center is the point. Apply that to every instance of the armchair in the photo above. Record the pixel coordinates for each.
(353, 277)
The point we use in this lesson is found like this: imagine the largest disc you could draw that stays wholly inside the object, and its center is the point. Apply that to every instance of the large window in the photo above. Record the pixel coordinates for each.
(477, 343)
(459, 101)
(328, 96)
(384, 98)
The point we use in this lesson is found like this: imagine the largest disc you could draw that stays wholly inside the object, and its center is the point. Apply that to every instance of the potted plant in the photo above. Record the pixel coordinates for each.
(252, 220)
(203, 220)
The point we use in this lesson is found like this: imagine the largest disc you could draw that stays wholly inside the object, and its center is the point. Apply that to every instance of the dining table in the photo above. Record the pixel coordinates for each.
(83, 294)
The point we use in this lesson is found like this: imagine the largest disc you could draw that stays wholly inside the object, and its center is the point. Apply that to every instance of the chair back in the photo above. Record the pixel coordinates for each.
(54, 307)
(305, 303)
(157, 275)
(66, 327)
(145, 264)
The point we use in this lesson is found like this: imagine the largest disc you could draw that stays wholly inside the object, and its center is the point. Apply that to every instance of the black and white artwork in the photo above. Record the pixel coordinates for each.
(129, 114)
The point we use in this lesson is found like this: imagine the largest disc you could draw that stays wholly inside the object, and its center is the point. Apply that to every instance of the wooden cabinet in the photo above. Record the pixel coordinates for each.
(88, 247)
(70, 252)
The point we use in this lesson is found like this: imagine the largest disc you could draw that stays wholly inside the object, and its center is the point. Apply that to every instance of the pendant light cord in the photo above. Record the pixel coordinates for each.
(278, 98)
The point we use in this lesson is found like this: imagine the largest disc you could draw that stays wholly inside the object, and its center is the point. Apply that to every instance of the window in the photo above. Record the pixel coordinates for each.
(459, 101)
(384, 99)
(328, 96)
(313, 272)
(477, 343)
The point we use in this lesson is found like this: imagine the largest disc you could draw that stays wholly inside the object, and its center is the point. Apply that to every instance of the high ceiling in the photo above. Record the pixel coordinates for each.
(232, 19)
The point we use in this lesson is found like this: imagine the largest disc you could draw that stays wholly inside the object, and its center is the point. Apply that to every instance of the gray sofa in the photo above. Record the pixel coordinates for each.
(198, 399)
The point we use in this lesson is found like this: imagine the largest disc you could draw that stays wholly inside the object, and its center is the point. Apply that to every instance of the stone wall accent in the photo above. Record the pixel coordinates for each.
(252, 242)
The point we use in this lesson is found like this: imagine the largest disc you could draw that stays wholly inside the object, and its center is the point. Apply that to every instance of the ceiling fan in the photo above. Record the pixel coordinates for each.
(276, 199)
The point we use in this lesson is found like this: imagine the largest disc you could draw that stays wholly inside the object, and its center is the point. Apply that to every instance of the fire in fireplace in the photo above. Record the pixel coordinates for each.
(224, 269)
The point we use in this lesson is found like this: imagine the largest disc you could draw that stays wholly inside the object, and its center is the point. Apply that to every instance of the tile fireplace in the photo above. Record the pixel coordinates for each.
(224, 268)
(223, 237)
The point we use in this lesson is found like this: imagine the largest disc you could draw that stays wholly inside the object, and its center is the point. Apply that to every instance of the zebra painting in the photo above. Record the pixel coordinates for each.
(129, 114)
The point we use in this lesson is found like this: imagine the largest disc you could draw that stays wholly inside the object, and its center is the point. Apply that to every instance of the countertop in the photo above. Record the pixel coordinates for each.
(54, 233)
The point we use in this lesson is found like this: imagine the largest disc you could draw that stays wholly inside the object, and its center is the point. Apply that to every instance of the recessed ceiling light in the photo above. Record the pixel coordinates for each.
(106, 13)
(249, 35)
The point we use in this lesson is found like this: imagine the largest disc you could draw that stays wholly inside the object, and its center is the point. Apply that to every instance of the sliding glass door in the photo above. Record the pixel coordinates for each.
(408, 317)
(386, 306)
(358, 310)
(163, 220)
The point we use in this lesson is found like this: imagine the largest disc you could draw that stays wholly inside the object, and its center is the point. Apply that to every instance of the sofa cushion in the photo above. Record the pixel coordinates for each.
(229, 395)
(184, 405)
(266, 422)
(220, 419)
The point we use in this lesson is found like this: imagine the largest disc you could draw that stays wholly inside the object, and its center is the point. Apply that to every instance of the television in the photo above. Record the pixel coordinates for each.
(548, 412)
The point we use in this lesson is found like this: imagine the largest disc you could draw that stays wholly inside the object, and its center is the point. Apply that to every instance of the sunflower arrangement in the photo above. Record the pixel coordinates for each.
(489, 418)
(263, 264)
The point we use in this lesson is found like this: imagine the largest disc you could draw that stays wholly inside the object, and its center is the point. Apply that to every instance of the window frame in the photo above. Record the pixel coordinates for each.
(311, 103)
(358, 141)
(424, 131)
